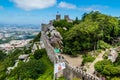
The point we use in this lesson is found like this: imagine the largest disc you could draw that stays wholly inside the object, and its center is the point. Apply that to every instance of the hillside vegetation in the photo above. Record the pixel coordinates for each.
(94, 32)
(87, 33)
(38, 67)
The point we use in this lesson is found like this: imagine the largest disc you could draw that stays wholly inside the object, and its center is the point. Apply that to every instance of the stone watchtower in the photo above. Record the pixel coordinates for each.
(58, 17)
(66, 17)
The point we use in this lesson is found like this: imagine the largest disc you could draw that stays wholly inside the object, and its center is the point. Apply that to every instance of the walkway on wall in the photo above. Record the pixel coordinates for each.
(98, 58)
(74, 61)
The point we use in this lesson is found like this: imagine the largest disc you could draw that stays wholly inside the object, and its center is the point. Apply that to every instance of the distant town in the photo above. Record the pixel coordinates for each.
(14, 35)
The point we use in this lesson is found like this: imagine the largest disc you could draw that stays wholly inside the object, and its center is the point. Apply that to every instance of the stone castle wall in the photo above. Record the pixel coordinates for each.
(69, 72)
(49, 48)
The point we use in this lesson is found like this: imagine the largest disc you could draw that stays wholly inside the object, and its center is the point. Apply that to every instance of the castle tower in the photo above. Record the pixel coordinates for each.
(66, 17)
(58, 17)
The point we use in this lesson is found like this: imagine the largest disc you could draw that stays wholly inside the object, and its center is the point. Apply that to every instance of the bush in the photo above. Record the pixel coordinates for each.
(115, 78)
(105, 56)
(31, 69)
(37, 38)
(38, 53)
(99, 50)
(103, 45)
(2, 55)
(76, 79)
(99, 66)
(87, 58)
(106, 68)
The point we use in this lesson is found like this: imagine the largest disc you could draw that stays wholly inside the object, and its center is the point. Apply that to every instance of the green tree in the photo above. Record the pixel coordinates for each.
(62, 23)
(2, 55)
(37, 38)
(103, 45)
(76, 21)
(38, 53)
(81, 37)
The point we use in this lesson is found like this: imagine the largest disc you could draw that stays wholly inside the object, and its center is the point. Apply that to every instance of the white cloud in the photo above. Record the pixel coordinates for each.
(1, 7)
(93, 8)
(34, 4)
(66, 5)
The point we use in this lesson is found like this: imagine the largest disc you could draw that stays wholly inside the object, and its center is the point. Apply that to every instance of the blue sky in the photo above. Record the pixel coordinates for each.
(41, 11)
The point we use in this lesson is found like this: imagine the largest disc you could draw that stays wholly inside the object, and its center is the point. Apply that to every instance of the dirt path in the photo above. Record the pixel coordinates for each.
(77, 61)
(98, 58)
(74, 61)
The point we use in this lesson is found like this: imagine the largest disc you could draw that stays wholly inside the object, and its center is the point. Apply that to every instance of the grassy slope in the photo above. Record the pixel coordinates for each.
(49, 71)
(48, 75)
